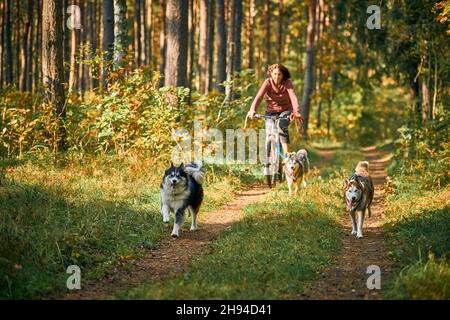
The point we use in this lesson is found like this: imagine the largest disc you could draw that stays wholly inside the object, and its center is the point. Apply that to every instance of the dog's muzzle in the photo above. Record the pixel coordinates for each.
(351, 203)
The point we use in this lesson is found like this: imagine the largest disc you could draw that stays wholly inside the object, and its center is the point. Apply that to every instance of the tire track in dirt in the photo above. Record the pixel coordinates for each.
(169, 256)
(346, 279)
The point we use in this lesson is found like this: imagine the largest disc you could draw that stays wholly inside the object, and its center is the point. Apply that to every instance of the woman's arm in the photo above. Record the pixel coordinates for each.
(262, 91)
(292, 96)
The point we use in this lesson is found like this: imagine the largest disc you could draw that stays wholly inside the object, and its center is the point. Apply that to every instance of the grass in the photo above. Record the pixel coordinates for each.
(89, 212)
(417, 223)
(422, 280)
(281, 244)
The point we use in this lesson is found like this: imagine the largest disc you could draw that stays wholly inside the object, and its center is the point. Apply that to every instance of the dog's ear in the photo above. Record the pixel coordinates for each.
(181, 165)
(171, 164)
(346, 182)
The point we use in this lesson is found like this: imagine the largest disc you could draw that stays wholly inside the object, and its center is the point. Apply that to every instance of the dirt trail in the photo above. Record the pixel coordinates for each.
(170, 255)
(346, 278)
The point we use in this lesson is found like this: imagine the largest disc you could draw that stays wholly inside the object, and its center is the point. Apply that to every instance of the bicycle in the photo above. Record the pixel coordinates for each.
(273, 169)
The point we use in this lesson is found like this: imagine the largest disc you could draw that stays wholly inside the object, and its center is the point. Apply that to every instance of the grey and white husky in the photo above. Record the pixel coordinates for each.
(181, 189)
(296, 166)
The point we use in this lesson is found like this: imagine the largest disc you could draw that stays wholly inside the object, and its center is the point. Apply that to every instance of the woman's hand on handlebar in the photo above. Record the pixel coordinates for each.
(297, 115)
(251, 114)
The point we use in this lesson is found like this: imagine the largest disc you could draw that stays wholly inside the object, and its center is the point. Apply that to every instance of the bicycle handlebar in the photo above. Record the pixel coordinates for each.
(263, 116)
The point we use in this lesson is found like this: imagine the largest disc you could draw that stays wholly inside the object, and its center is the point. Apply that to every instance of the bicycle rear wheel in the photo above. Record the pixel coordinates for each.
(281, 176)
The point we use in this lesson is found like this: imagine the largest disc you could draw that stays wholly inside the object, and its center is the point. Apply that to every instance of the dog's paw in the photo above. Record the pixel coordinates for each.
(353, 232)
(175, 235)
(359, 236)
(193, 228)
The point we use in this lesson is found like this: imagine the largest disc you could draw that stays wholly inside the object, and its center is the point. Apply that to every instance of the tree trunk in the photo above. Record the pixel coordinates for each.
(435, 88)
(203, 52)
(191, 56)
(309, 65)
(149, 26)
(177, 34)
(417, 98)
(319, 95)
(210, 40)
(8, 44)
(31, 50)
(143, 39)
(230, 49)
(280, 32)
(267, 32)
(17, 46)
(250, 23)
(93, 83)
(333, 72)
(73, 68)
(428, 84)
(120, 32)
(108, 39)
(66, 40)
(137, 33)
(2, 44)
(425, 99)
(37, 70)
(221, 40)
(52, 60)
(25, 49)
(82, 49)
(320, 52)
(237, 36)
(162, 42)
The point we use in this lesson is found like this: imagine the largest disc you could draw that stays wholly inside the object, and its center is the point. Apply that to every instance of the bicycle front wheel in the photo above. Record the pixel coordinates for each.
(275, 164)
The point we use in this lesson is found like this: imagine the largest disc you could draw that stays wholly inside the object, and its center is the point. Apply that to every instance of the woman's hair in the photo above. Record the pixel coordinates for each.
(283, 69)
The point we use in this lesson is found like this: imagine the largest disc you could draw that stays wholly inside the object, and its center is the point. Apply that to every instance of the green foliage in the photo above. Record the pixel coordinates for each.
(219, 113)
(417, 211)
(423, 281)
(26, 127)
(135, 115)
(423, 154)
(418, 222)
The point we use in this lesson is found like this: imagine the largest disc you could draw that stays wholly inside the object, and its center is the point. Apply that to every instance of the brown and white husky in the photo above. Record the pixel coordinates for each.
(358, 193)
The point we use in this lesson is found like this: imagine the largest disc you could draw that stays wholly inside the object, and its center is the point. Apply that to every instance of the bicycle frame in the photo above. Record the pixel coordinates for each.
(272, 169)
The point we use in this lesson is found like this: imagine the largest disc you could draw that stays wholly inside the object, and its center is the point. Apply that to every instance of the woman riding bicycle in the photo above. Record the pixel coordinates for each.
(281, 100)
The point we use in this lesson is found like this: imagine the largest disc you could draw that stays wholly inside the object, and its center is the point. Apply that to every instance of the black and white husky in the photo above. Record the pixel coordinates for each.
(182, 189)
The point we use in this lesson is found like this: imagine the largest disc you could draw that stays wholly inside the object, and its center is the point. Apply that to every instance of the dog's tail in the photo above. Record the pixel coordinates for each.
(196, 171)
(302, 155)
(364, 164)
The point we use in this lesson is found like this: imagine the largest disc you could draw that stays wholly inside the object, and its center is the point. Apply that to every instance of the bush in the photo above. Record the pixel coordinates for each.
(424, 153)
(135, 115)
